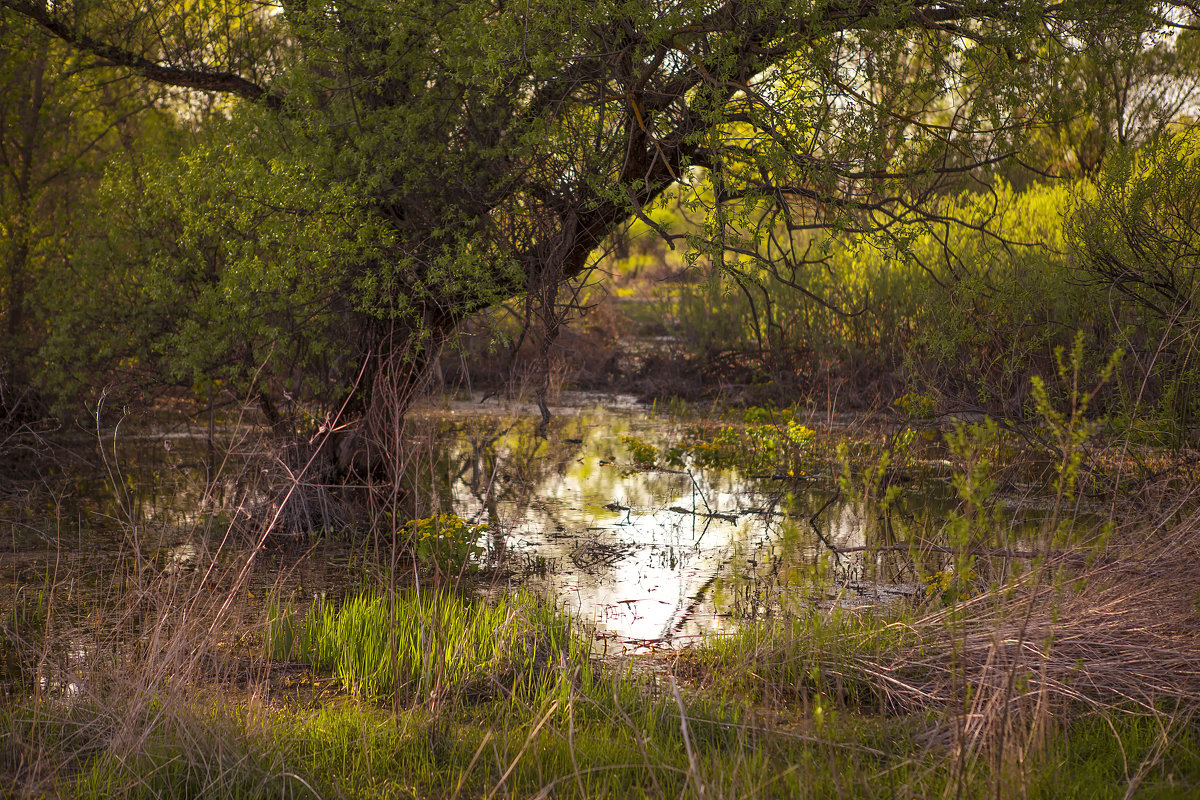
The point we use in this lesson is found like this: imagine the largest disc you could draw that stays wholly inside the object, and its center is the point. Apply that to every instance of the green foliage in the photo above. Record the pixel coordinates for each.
(969, 317)
(645, 455)
(1137, 237)
(972, 317)
(918, 405)
(976, 523)
(410, 644)
(870, 488)
(949, 585)
(62, 120)
(770, 449)
(1108, 99)
(392, 168)
(1087, 759)
(757, 415)
(1070, 430)
(974, 448)
(200, 281)
(445, 541)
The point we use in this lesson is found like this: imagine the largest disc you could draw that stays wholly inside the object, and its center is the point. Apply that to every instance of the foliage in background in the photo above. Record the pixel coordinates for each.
(195, 284)
(970, 311)
(374, 174)
(965, 317)
(1136, 241)
(62, 122)
(775, 448)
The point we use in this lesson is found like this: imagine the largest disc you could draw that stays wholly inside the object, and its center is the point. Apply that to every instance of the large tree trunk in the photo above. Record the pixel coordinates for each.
(400, 360)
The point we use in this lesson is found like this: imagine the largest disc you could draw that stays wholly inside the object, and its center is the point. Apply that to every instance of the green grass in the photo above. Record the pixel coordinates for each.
(814, 657)
(619, 735)
(588, 747)
(1100, 756)
(378, 644)
(491, 698)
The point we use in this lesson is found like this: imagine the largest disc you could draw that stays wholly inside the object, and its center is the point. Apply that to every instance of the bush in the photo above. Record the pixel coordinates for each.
(1136, 237)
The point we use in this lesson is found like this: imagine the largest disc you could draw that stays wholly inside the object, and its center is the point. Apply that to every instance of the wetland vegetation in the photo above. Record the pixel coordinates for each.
(889, 614)
(415, 399)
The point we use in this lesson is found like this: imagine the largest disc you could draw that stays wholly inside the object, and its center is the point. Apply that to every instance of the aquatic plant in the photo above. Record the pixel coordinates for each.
(445, 541)
(412, 643)
(773, 449)
(644, 454)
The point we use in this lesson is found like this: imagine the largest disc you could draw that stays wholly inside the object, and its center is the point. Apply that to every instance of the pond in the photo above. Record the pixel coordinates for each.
(659, 555)
(628, 516)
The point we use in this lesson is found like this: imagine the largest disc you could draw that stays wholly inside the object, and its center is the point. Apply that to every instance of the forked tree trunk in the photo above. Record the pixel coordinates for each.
(400, 363)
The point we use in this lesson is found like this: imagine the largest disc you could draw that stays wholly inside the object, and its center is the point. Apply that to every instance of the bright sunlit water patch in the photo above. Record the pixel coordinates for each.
(660, 556)
(651, 557)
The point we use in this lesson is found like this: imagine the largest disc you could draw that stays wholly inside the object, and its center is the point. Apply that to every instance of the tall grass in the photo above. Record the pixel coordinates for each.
(412, 643)
(1073, 677)
(822, 655)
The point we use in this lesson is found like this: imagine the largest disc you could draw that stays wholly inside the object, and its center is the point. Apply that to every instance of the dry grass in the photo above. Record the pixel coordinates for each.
(1004, 667)
(1100, 631)
(1109, 634)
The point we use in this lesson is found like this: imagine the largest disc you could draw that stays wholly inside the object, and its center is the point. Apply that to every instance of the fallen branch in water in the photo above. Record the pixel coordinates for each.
(709, 515)
(971, 551)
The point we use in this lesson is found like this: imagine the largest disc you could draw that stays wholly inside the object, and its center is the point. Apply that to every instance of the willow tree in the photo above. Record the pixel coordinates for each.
(433, 158)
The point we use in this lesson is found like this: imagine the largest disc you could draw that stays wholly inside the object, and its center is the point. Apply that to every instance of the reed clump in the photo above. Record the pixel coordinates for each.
(415, 643)
(1116, 633)
(1096, 635)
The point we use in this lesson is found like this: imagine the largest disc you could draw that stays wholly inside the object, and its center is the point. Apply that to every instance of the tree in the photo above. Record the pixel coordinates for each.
(483, 149)
(60, 119)
(1118, 96)
(1136, 235)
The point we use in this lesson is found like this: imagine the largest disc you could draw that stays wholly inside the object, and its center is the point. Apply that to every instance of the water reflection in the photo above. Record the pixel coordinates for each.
(650, 556)
(656, 556)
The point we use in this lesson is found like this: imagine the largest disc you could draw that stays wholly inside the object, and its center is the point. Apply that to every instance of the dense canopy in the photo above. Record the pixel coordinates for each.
(382, 169)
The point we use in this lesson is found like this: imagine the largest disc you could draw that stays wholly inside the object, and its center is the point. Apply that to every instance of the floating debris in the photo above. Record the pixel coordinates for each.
(590, 555)
(732, 518)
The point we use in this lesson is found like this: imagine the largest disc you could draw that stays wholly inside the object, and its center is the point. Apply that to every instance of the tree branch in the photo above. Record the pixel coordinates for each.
(204, 80)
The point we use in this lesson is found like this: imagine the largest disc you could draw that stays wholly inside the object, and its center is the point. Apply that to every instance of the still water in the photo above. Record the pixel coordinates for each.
(661, 555)
(652, 556)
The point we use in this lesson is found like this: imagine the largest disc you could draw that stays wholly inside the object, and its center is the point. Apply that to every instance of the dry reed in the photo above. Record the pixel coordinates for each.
(1121, 635)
